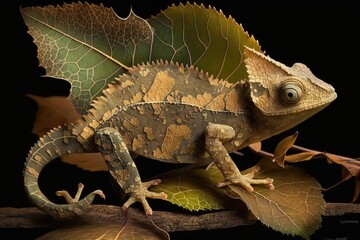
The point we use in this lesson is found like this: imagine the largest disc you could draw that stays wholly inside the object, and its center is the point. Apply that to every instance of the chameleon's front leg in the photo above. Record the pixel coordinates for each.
(216, 135)
(124, 170)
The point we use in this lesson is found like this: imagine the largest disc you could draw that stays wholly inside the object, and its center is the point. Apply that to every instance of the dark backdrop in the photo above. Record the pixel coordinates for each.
(323, 36)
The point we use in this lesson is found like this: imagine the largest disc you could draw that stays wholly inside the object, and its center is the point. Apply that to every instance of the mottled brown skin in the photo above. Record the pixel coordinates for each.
(178, 114)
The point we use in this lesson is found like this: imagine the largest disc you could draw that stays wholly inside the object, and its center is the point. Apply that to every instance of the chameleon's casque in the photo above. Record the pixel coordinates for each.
(178, 114)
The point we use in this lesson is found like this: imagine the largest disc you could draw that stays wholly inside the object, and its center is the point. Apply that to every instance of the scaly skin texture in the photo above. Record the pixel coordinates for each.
(177, 114)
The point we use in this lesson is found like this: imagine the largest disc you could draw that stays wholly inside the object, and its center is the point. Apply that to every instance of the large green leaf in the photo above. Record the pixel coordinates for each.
(203, 37)
(193, 190)
(88, 45)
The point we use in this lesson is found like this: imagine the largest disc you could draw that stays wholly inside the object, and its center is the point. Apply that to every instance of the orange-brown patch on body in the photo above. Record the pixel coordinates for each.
(87, 133)
(130, 124)
(156, 108)
(136, 98)
(127, 83)
(200, 100)
(175, 134)
(149, 133)
(217, 104)
(138, 142)
(33, 172)
(160, 88)
(232, 101)
(38, 158)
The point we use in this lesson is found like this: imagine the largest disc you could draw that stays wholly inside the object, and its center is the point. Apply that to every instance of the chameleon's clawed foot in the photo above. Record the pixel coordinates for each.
(69, 199)
(141, 192)
(246, 180)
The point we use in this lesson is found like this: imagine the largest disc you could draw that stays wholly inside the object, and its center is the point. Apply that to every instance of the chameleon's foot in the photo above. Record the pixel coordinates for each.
(69, 199)
(140, 193)
(246, 180)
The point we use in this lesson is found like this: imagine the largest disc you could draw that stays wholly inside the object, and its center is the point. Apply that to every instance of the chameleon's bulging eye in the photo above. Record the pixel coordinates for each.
(290, 92)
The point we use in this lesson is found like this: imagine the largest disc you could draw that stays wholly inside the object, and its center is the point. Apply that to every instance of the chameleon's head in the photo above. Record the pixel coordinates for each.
(285, 96)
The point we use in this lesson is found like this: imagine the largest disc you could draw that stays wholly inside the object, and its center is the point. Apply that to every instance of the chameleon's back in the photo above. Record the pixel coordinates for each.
(162, 110)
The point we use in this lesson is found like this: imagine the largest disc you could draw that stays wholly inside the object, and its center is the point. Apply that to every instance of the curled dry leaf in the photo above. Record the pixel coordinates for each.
(52, 112)
(351, 168)
(282, 147)
(351, 165)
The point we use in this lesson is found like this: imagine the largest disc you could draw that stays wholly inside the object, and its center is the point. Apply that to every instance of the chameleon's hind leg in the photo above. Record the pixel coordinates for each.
(216, 135)
(124, 170)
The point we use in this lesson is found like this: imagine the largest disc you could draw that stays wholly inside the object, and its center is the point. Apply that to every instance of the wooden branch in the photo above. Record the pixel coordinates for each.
(168, 221)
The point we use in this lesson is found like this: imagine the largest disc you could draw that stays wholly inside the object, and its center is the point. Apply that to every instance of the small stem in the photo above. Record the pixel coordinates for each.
(303, 149)
(262, 153)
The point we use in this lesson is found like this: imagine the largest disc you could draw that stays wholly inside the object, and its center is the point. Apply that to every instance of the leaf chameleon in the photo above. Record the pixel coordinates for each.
(179, 114)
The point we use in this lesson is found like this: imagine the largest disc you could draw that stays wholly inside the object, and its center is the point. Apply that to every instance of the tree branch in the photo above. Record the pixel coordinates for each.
(168, 221)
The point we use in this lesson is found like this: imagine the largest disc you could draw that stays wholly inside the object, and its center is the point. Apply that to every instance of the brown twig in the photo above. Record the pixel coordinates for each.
(263, 153)
(303, 149)
(168, 221)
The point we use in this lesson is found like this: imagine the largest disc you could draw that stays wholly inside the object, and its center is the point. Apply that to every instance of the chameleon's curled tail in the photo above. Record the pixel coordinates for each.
(56, 143)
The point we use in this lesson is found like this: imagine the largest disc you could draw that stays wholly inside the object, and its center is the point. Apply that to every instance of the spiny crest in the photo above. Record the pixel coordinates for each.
(42, 140)
(194, 71)
(161, 63)
(258, 63)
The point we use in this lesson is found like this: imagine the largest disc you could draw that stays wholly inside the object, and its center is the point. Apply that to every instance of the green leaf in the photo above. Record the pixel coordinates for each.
(193, 190)
(295, 205)
(87, 45)
(202, 37)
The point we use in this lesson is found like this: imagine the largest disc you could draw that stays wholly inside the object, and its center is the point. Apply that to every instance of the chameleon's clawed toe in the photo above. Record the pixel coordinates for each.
(247, 180)
(69, 199)
(141, 192)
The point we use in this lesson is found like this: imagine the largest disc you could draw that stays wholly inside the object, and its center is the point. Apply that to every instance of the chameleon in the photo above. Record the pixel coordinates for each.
(176, 113)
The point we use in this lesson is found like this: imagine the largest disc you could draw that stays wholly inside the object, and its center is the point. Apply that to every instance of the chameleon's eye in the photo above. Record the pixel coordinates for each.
(290, 92)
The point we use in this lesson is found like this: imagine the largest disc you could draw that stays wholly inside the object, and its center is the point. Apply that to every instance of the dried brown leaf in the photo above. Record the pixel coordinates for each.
(352, 166)
(256, 147)
(282, 147)
(57, 110)
(52, 112)
(295, 205)
(88, 161)
(300, 157)
(108, 231)
(357, 188)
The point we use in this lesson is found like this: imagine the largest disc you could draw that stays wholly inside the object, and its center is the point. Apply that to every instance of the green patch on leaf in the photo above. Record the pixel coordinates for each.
(193, 191)
(202, 37)
(87, 45)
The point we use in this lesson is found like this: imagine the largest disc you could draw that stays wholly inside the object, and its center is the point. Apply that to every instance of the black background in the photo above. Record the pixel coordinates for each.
(323, 36)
